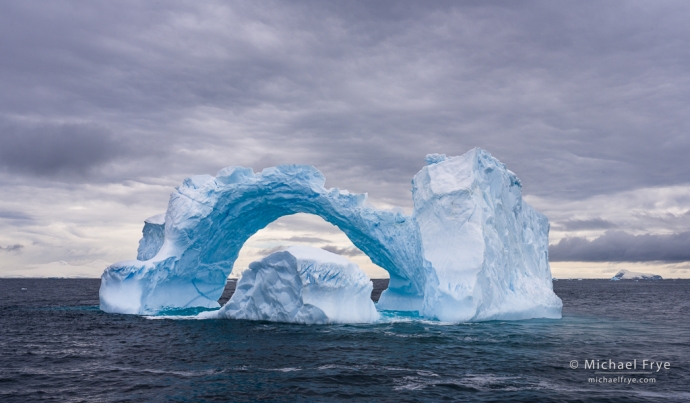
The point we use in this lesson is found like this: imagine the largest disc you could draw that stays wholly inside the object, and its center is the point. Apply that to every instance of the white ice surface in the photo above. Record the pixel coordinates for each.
(487, 249)
(301, 285)
(472, 250)
(632, 275)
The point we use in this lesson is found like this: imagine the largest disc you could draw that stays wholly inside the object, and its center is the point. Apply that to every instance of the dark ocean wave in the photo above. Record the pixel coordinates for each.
(56, 345)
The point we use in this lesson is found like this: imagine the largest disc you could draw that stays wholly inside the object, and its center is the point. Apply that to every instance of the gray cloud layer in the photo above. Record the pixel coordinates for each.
(306, 239)
(12, 248)
(14, 215)
(268, 251)
(343, 251)
(593, 224)
(579, 98)
(53, 149)
(619, 246)
(576, 99)
(351, 251)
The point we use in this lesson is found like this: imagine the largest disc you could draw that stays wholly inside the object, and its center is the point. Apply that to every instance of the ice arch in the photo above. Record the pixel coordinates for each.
(210, 218)
(472, 250)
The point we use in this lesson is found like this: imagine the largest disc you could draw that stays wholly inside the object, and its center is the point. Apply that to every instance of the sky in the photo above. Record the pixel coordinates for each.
(105, 107)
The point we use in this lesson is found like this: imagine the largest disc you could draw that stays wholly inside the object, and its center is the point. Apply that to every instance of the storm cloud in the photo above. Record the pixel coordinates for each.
(112, 104)
(306, 239)
(12, 248)
(52, 149)
(350, 251)
(268, 251)
(346, 251)
(15, 215)
(573, 103)
(619, 246)
(595, 223)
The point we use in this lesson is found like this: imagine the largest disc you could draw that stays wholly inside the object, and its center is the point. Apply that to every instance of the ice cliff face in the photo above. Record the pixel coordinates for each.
(301, 285)
(485, 248)
(472, 249)
(154, 234)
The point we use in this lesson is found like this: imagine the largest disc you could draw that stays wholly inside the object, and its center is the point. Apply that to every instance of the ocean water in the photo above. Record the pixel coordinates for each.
(56, 345)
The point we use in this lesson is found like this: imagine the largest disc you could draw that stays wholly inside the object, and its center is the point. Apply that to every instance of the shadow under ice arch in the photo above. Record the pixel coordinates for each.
(185, 260)
(472, 249)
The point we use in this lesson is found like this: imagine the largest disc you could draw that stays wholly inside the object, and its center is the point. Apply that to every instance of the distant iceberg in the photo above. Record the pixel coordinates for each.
(301, 285)
(59, 269)
(472, 250)
(631, 275)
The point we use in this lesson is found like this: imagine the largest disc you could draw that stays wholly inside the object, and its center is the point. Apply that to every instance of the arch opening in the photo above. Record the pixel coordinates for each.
(303, 229)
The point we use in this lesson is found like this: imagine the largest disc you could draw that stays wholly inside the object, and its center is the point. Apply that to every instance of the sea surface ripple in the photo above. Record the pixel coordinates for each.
(56, 345)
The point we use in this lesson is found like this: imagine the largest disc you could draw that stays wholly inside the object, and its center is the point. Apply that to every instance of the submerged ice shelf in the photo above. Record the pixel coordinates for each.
(472, 250)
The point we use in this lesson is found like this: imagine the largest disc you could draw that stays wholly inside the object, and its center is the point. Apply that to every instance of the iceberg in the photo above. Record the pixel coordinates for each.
(486, 249)
(472, 250)
(66, 270)
(631, 275)
(301, 285)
